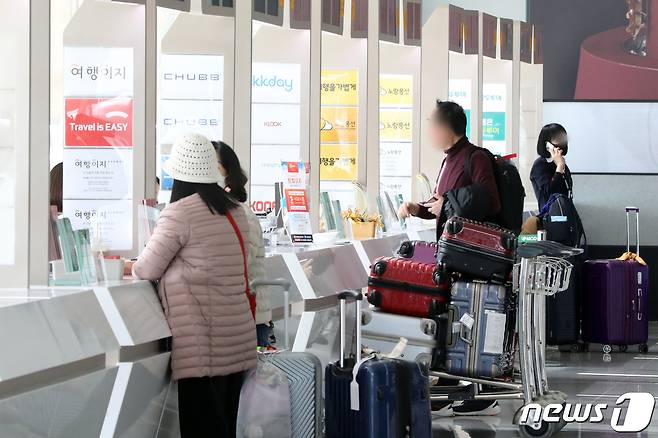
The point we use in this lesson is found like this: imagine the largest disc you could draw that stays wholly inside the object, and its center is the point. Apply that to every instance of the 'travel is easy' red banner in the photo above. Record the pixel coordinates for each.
(99, 122)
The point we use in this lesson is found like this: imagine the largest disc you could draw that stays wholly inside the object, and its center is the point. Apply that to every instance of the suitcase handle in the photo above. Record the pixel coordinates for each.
(639, 304)
(468, 341)
(343, 297)
(462, 327)
(635, 210)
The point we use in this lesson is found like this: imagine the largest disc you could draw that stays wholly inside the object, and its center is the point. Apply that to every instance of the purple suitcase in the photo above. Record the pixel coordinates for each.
(419, 251)
(616, 294)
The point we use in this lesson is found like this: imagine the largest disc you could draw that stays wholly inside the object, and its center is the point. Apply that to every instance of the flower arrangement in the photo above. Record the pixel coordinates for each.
(363, 224)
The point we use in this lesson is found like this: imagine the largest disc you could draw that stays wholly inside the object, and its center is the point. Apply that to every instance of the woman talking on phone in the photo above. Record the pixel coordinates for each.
(550, 173)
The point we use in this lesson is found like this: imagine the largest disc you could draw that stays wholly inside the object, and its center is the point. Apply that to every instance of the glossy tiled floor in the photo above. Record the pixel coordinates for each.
(586, 378)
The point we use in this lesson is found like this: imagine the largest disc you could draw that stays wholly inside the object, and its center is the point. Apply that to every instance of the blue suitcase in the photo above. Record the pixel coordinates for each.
(393, 395)
(483, 321)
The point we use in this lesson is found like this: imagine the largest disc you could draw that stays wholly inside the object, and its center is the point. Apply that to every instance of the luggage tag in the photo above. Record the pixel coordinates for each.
(398, 350)
(467, 320)
(354, 386)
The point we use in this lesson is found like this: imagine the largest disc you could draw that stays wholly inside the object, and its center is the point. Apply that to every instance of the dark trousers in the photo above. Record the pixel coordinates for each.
(208, 406)
(262, 335)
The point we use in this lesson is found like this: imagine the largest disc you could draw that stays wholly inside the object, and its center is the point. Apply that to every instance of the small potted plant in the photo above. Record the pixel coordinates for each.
(363, 224)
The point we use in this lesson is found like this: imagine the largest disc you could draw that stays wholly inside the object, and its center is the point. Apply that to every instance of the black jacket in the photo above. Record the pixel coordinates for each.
(471, 202)
(545, 181)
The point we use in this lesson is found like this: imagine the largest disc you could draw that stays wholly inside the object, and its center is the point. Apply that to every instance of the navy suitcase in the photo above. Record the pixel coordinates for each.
(483, 321)
(617, 297)
(390, 401)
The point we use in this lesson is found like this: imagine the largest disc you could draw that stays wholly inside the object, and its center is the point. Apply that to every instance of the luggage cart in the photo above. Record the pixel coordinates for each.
(541, 271)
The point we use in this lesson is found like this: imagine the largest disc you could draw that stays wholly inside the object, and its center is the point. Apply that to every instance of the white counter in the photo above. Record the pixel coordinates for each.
(317, 274)
(82, 362)
(89, 361)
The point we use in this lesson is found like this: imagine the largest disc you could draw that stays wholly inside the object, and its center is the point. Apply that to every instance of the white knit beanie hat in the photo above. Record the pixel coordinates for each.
(193, 159)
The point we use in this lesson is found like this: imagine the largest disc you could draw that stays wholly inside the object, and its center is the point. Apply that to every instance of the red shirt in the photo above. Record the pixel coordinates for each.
(451, 175)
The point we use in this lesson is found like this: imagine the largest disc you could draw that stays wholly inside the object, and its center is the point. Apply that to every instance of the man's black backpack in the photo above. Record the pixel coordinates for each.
(510, 190)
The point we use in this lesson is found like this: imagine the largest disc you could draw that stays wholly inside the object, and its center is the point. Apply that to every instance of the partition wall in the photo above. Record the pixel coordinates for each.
(105, 87)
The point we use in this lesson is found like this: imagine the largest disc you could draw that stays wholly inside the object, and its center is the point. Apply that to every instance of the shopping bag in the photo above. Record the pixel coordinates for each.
(264, 409)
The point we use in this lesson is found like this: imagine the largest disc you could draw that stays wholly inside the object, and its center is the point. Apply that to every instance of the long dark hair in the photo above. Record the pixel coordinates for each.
(547, 134)
(236, 179)
(213, 195)
(56, 185)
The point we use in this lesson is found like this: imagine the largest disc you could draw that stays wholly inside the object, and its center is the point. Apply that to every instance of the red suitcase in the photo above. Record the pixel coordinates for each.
(418, 251)
(405, 287)
(476, 249)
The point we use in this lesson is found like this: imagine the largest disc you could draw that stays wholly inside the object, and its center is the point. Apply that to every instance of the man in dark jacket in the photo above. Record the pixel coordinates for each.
(458, 195)
(455, 194)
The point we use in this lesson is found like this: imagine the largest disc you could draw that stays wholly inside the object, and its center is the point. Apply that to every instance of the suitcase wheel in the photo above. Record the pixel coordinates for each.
(439, 275)
(406, 249)
(379, 268)
(375, 298)
(607, 349)
(543, 430)
(454, 226)
(644, 348)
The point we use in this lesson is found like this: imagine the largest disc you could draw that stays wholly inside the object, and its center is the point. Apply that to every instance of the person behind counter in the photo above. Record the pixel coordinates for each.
(56, 207)
(196, 251)
(235, 181)
(550, 174)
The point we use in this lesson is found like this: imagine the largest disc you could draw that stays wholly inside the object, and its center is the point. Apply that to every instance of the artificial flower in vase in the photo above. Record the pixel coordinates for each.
(363, 224)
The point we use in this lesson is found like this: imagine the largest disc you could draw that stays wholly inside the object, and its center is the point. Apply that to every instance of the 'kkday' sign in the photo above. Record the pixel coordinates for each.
(272, 81)
(275, 83)
(192, 77)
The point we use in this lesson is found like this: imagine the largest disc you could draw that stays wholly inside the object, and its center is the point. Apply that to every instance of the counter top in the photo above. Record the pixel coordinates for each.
(82, 361)
(57, 326)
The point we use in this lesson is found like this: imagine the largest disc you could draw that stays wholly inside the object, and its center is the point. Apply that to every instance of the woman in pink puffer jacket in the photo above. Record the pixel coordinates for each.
(196, 254)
